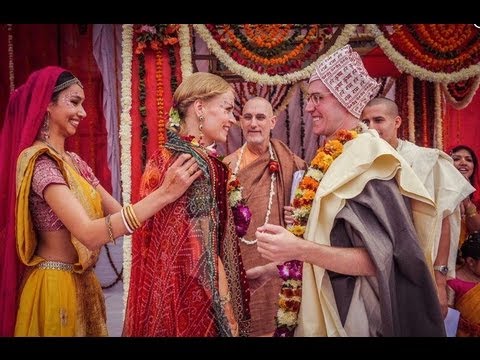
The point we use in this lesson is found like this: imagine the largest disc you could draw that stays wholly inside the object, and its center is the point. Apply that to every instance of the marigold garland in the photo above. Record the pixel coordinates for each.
(345, 33)
(291, 272)
(399, 48)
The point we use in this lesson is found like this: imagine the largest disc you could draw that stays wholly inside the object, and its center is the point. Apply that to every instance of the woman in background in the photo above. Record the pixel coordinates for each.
(466, 287)
(466, 161)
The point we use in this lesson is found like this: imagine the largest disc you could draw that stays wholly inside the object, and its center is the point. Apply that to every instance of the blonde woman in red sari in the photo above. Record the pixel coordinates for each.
(466, 287)
(60, 216)
(187, 276)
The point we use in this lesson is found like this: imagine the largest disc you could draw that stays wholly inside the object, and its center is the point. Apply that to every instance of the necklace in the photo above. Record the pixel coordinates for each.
(55, 150)
(210, 149)
(64, 157)
(273, 178)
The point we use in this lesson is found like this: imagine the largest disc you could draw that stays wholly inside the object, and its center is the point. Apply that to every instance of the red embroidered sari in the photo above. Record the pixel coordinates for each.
(174, 284)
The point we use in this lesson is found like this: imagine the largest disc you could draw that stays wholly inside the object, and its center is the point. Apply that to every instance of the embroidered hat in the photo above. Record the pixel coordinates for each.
(345, 76)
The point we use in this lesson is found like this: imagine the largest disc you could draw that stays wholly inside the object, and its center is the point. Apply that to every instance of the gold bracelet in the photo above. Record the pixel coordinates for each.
(109, 229)
(133, 216)
(129, 218)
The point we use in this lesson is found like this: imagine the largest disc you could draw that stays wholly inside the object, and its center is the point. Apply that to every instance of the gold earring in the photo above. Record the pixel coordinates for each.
(200, 128)
(45, 129)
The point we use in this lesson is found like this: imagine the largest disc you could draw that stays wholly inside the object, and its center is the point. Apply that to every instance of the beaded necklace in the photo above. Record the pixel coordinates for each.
(273, 178)
(63, 157)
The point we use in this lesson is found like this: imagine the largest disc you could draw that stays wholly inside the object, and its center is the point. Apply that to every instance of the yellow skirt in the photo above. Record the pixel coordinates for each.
(55, 301)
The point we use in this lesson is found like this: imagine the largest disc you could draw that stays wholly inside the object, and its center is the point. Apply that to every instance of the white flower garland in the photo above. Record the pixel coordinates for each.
(418, 72)
(272, 187)
(462, 104)
(287, 99)
(253, 76)
(126, 142)
(411, 109)
(185, 50)
(11, 69)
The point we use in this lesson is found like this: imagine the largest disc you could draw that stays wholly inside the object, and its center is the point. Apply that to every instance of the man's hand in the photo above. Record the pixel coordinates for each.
(259, 275)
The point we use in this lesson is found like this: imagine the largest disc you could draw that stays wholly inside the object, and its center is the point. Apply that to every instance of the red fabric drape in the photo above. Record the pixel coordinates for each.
(378, 64)
(34, 46)
(463, 126)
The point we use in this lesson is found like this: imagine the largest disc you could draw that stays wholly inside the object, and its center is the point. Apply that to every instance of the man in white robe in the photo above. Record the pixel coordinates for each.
(443, 181)
(364, 269)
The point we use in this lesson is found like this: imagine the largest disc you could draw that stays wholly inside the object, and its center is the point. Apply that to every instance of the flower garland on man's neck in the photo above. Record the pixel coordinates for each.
(290, 296)
(237, 193)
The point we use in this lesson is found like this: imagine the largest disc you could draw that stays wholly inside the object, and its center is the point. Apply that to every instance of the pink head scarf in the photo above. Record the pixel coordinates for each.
(25, 113)
(343, 73)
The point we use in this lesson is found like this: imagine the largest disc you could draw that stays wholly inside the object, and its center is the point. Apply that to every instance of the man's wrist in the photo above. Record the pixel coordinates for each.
(442, 269)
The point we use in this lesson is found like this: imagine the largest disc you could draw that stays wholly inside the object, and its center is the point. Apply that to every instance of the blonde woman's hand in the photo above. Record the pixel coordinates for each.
(179, 176)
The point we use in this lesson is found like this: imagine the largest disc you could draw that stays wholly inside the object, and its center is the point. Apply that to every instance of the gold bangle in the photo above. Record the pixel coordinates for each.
(133, 216)
(109, 229)
(124, 218)
(128, 216)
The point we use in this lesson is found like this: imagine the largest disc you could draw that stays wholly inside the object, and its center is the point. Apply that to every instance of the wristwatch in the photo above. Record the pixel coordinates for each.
(443, 269)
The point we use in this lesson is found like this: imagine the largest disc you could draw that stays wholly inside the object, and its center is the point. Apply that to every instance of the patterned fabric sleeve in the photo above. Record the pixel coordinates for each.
(86, 171)
(46, 172)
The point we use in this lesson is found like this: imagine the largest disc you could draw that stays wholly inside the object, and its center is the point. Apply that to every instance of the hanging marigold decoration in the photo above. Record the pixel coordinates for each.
(272, 48)
(445, 48)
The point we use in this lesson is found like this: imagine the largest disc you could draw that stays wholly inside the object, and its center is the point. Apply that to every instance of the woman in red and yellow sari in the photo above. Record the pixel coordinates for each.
(187, 276)
(55, 213)
(466, 161)
(466, 287)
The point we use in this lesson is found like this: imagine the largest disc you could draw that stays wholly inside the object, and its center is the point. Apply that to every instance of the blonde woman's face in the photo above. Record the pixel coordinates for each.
(463, 161)
(218, 118)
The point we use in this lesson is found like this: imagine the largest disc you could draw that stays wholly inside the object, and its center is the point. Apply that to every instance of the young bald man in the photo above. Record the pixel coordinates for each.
(443, 181)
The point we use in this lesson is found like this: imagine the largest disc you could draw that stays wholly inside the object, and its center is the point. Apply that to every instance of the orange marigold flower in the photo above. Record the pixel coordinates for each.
(310, 183)
(309, 194)
(334, 148)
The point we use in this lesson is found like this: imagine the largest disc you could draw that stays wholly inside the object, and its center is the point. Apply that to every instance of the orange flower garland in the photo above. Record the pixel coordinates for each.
(438, 47)
(291, 272)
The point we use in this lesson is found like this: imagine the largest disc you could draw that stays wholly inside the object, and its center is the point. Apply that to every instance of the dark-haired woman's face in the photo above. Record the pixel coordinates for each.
(67, 112)
(463, 161)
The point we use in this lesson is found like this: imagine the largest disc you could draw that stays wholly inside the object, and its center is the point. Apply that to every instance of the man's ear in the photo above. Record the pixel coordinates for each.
(398, 121)
(273, 121)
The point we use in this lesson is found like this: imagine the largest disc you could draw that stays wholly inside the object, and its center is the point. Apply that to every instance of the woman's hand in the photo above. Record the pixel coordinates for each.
(179, 176)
